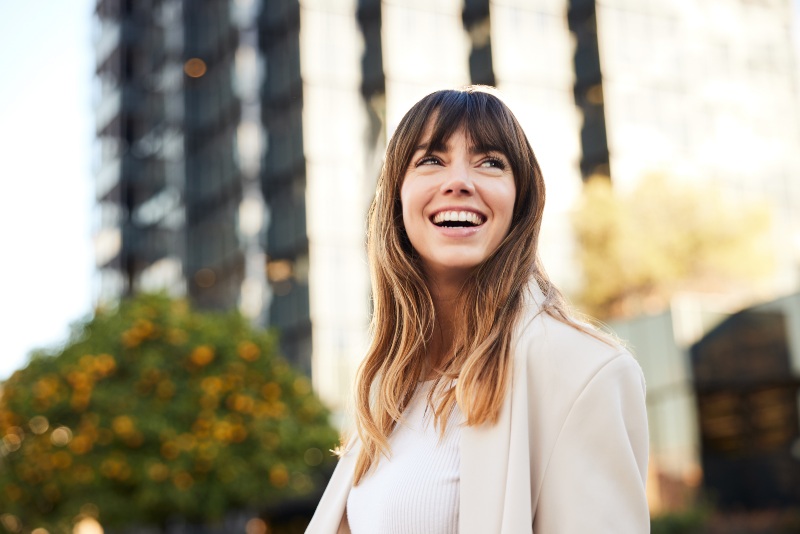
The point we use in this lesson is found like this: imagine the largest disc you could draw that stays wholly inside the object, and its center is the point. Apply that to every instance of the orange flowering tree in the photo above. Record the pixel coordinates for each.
(151, 411)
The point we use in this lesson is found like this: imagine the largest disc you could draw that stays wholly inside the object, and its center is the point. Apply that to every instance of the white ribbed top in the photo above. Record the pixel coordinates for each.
(417, 489)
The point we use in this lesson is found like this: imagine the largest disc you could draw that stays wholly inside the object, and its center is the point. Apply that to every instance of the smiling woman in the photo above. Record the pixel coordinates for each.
(482, 405)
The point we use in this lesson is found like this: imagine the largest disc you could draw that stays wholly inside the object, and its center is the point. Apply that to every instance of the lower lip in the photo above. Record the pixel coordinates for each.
(457, 231)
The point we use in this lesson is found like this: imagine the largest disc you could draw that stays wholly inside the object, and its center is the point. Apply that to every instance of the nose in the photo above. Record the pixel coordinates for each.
(458, 181)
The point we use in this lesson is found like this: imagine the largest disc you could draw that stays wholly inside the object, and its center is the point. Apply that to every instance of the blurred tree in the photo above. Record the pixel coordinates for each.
(637, 249)
(152, 411)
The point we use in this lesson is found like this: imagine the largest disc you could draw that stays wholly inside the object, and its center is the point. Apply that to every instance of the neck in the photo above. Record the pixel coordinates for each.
(445, 295)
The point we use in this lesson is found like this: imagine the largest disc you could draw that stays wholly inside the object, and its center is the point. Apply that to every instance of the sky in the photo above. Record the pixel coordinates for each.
(46, 203)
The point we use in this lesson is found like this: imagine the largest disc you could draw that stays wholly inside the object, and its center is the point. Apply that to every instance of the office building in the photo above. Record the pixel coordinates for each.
(701, 91)
(178, 145)
(242, 139)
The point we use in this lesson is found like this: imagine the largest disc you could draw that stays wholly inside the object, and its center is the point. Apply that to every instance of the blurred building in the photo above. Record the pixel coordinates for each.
(179, 205)
(702, 91)
(747, 382)
(316, 185)
(675, 466)
(722, 403)
(243, 138)
(239, 140)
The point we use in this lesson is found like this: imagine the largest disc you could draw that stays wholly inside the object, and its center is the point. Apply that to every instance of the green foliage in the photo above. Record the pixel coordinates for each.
(692, 521)
(153, 410)
(637, 249)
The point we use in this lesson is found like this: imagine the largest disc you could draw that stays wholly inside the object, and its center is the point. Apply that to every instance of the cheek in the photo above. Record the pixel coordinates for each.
(405, 204)
(505, 199)
(512, 202)
(412, 199)
(408, 209)
(505, 204)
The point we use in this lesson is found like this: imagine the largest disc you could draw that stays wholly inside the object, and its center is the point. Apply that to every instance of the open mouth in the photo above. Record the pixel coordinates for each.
(457, 219)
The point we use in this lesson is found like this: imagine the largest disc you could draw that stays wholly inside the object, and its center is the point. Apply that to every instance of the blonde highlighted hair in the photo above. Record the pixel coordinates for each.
(491, 301)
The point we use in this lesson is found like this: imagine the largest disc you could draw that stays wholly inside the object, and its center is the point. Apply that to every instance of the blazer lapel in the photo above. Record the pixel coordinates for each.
(484, 465)
(495, 492)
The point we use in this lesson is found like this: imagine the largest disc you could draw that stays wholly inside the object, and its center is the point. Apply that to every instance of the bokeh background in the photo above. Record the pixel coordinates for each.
(179, 169)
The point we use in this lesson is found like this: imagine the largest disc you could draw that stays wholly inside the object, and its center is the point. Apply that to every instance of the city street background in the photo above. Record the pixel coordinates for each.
(226, 152)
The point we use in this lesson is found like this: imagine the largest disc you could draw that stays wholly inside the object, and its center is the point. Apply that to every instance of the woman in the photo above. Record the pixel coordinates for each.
(482, 406)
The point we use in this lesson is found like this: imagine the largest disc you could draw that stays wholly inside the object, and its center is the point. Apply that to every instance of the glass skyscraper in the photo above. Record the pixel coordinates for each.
(179, 152)
(239, 140)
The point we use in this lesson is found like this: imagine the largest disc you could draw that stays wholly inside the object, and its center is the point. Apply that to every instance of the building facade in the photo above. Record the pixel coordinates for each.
(706, 92)
(239, 141)
(179, 152)
(747, 382)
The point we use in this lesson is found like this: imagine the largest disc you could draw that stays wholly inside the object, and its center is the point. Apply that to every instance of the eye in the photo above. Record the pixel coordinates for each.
(494, 163)
(429, 160)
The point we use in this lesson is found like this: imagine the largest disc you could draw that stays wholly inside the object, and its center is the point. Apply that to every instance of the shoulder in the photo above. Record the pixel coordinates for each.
(542, 336)
(568, 357)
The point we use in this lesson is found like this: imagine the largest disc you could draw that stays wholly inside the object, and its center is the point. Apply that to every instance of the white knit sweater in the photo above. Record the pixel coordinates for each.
(415, 490)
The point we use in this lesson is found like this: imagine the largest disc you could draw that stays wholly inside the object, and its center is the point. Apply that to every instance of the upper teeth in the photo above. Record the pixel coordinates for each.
(467, 216)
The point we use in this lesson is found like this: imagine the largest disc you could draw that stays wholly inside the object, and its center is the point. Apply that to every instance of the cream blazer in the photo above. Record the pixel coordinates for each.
(568, 454)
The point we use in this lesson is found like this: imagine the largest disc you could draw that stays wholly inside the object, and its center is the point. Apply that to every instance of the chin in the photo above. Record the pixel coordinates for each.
(453, 266)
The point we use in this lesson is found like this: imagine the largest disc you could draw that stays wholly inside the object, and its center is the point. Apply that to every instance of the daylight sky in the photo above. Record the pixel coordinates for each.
(45, 165)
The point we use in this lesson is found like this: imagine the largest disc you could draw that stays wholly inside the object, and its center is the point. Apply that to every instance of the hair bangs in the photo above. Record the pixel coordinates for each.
(490, 127)
(486, 122)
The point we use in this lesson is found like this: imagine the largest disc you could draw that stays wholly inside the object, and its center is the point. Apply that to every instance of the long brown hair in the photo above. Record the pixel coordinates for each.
(491, 300)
